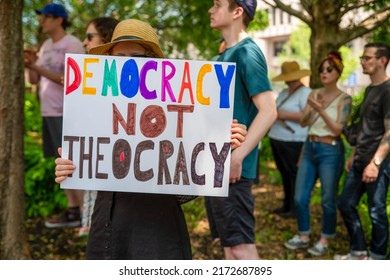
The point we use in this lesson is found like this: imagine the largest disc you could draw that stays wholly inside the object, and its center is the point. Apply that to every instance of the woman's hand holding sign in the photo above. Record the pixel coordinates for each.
(64, 168)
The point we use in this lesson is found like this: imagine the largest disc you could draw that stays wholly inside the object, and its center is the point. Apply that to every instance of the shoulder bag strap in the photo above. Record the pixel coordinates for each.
(318, 115)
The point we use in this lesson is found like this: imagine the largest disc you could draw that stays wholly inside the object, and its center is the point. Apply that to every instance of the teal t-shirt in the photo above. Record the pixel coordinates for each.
(251, 79)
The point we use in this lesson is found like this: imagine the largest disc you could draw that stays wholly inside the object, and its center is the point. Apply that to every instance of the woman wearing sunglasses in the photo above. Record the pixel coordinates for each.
(326, 112)
(99, 31)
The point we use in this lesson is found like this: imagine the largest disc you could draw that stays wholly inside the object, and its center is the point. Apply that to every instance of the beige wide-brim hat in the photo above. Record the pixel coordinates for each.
(135, 31)
(291, 72)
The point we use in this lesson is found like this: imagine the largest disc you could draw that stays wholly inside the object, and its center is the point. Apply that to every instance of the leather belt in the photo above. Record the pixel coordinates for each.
(331, 140)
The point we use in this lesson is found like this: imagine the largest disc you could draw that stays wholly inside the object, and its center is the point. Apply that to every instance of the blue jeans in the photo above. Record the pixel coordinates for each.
(353, 190)
(326, 162)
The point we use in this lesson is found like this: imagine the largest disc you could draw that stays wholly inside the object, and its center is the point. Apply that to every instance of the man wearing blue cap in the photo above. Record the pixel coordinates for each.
(47, 70)
(254, 106)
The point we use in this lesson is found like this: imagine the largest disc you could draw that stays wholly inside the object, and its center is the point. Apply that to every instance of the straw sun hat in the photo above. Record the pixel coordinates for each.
(291, 72)
(135, 31)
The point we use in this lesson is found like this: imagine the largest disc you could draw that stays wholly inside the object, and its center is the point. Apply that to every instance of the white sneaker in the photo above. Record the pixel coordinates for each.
(296, 243)
(318, 249)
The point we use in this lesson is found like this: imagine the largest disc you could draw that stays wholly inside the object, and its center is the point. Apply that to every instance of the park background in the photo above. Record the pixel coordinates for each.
(28, 193)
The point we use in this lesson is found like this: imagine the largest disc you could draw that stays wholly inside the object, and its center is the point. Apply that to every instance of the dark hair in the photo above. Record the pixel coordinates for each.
(65, 23)
(105, 27)
(335, 60)
(245, 18)
(382, 49)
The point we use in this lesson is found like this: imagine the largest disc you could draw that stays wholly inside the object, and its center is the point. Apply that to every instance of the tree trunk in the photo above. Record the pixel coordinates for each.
(12, 232)
(325, 35)
(320, 45)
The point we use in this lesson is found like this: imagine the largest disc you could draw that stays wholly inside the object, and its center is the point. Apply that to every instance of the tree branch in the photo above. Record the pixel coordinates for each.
(382, 14)
(354, 6)
(269, 4)
(307, 5)
(293, 12)
(366, 26)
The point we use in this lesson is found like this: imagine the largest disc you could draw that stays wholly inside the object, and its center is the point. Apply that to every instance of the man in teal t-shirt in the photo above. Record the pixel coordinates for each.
(254, 106)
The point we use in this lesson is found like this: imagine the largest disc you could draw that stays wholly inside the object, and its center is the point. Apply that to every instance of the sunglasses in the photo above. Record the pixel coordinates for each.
(328, 69)
(91, 35)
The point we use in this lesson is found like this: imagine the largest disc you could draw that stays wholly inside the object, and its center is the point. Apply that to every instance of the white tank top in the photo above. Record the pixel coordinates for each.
(319, 127)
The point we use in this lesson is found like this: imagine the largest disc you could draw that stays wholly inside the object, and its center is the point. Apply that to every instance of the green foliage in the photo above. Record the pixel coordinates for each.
(266, 155)
(260, 21)
(194, 211)
(30, 23)
(267, 164)
(32, 120)
(42, 195)
(350, 61)
(180, 23)
(298, 47)
(382, 34)
(357, 100)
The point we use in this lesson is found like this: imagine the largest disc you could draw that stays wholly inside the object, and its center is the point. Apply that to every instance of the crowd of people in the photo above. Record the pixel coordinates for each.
(304, 125)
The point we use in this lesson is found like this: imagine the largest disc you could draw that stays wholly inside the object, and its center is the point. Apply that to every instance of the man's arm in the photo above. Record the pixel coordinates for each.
(384, 146)
(265, 103)
(35, 72)
(371, 171)
(30, 57)
(40, 71)
(266, 116)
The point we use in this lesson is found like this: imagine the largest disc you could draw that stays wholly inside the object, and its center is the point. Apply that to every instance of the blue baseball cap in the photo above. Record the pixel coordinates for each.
(249, 7)
(53, 9)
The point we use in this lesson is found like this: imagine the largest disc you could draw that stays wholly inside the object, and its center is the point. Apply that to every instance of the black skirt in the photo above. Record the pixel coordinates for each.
(131, 226)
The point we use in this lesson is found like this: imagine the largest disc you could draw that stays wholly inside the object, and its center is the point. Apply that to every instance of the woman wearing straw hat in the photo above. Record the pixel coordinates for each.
(286, 135)
(136, 225)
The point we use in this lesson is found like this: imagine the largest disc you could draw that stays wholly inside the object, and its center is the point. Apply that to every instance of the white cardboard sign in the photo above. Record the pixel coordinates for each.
(148, 125)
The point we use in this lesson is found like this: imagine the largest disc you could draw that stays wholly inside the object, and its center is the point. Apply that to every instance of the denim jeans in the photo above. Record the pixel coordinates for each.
(326, 162)
(353, 190)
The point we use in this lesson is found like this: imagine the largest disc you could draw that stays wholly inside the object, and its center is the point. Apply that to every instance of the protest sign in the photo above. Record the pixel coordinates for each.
(148, 125)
